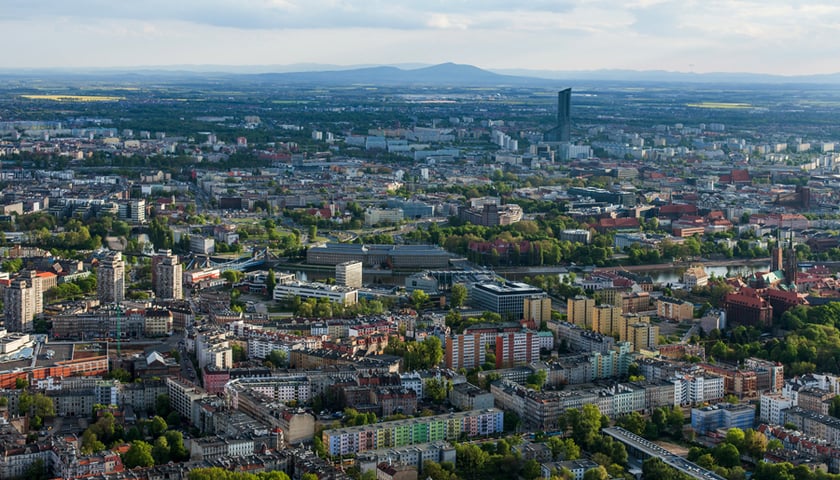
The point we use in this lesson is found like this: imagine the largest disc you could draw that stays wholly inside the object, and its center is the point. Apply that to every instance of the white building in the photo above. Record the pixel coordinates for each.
(334, 293)
(349, 274)
(772, 405)
(375, 216)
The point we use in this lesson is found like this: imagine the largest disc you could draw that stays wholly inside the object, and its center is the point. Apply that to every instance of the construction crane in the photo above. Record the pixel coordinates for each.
(119, 333)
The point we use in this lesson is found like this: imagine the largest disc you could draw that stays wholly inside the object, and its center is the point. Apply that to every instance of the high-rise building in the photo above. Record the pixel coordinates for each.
(537, 309)
(607, 320)
(168, 275)
(562, 131)
(579, 311)
(110, 279)
(464, 351)
(517, 348)
(643, 336)
(35, 282)
(349, 274)
(19, 305)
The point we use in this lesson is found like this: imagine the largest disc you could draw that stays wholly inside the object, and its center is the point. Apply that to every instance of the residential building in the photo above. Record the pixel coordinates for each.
(464, 351)
(467, 396)
(19, 305)
(110, 279)
(773, 406)
(643, 336)
(695, 276)
(168, 275)
(400, 433)
(674, 309)
(579, 311)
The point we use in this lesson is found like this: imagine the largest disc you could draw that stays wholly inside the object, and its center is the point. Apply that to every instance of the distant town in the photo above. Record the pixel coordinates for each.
(240, 278)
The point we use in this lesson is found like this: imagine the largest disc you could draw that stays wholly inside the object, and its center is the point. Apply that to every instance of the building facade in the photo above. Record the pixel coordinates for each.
(110, 279)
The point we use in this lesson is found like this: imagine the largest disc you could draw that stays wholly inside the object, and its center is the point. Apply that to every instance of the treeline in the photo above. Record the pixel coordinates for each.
(811, 341)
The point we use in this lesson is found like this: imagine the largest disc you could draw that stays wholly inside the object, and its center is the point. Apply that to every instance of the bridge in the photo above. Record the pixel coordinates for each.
(257, 258)
(642, 448)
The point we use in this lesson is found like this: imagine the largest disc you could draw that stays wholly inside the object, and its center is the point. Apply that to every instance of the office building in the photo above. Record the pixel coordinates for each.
(110, 279)
(562, 131)
(168, 275)
(344, 295)
(506, 299)
(349, 274)
(722, 415)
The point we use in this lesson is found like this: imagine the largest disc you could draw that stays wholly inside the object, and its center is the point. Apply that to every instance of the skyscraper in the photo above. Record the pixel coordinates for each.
(167, 274)
(110, 279)
(562, 132)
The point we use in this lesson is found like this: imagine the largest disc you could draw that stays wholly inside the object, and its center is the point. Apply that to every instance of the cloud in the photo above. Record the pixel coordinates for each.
(784, 36)
(284, 14)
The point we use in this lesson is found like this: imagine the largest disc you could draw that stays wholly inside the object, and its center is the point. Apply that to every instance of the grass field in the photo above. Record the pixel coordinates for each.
(74, 98)
(722, 105)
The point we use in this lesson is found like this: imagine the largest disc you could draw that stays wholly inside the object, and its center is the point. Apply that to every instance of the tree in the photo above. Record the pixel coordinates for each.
(418, 299)
(585, 423)
(736, 437)
(278, 358)
(158, 426)
(162, 405)
(458, 295)
(436, 390)
(90, 443)
(727, 455)
(632, 422)
(138, 455)
(536, 380)
(531, 470)
(160, 451)
(37, 470)
(270, 283)
(177, 451)
(597, 473)
(120, 374)
(436, 471)
(471, 460)
(654, 467)
(755, 443)
(174, 418)
(431, 351)
(239, 354)
(563, 448)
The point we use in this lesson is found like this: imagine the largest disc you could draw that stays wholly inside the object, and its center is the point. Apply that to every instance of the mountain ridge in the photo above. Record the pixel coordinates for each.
(443, 74)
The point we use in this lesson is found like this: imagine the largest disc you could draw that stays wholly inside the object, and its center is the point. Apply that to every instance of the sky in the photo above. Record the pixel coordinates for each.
(787, 37)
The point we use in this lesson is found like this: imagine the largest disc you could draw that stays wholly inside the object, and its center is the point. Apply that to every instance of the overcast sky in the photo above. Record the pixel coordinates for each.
(762, 36)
